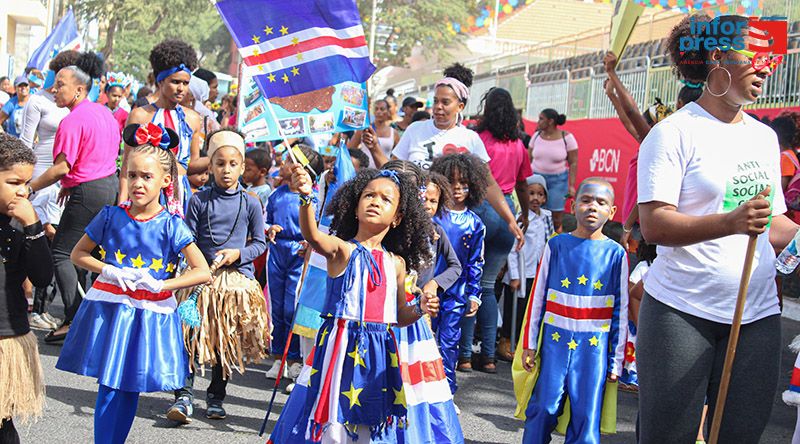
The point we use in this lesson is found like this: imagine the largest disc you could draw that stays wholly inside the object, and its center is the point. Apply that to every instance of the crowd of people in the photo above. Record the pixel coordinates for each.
(175, 245)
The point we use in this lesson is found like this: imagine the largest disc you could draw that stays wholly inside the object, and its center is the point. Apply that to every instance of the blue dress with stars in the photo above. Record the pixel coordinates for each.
(131, 340)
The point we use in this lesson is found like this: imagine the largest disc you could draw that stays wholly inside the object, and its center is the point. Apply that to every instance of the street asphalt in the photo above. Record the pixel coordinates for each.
(486, 402)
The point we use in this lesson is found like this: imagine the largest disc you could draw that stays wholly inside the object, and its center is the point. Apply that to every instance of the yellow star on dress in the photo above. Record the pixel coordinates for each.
(553, 296)
(322, 336)
(550, 319)
(357, 359)
(295, 71)
(255, 52)
(170, 268)
(157, 264)
(594, 341)
(256, 39)
(102, 254)
(352, 395)
(284, 30)
(605, 327)
(572, 344)
(555, 336)
(565, 282)
(285, 78)
(300, 56)
(399, 397)
(119, 256)
(271, 77)
(267, 30)
(137, 261)
(295, 41)
(610, 302)
(598, 285)
(583, 279)
(393, 357)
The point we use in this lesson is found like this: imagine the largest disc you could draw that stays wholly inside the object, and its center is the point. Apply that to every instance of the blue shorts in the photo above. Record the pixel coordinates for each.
(557, 189)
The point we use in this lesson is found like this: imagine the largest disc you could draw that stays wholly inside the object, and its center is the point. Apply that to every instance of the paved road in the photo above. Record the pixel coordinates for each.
(486, 401)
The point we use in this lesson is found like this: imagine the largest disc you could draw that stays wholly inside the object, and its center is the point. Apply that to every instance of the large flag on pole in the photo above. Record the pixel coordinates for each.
(298, 46)
(63, 37)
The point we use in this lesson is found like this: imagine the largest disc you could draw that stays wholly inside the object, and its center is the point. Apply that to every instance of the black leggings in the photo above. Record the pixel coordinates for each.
(8, 434)
(680, 358)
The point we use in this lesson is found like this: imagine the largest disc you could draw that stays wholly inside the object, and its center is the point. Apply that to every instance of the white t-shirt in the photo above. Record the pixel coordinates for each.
(422, 142)
(638, 272)
(705, 166)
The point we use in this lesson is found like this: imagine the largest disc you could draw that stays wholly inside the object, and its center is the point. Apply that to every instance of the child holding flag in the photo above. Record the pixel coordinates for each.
(574, 334)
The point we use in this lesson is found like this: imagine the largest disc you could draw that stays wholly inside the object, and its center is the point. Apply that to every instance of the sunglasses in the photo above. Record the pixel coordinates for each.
(761, 60)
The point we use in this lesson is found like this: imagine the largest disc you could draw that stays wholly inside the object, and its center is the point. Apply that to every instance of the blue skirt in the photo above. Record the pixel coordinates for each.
(126, 348)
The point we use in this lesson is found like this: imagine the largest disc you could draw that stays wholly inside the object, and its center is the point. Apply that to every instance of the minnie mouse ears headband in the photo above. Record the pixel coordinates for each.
(150, 134)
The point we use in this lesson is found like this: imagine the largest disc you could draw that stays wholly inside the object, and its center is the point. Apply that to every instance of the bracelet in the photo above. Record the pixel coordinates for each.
(307, 199)
(35, 236)
(418, 309)
(627, 230)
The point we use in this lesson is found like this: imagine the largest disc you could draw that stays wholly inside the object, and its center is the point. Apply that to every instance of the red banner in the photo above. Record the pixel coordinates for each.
(605, 149)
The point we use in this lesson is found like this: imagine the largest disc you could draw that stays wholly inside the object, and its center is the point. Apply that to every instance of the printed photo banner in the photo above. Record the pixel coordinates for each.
(337, 108)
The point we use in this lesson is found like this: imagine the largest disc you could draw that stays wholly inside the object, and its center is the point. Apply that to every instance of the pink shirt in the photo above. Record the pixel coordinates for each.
(631, 196)
(550, 156)
(89, 137)
(509, 161)
(121, 116)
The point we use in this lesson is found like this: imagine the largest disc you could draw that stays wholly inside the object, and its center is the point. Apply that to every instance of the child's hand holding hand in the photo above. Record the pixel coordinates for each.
(301, 180)
(272, 231)
(432, 287)
(473, 308)
(146, 281)
(528, 359)
(429, 303)
(124, 278)
(22, 210)
(229, 256)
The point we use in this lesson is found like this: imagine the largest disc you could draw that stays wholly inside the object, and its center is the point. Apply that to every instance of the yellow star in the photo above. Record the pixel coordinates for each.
(256, 39)
(102, 254)
(393, 357)
(300, 56)
(583, 279)
(170, 268)
(572, 344)
(255, 52)
(594, 341)
(137, 261)
(261, 68)
(271, 78)
(555, 336)
(285, 78)
(400, 397)
(295, 71)
(284, 30)
(550, 319)
(295, 41)
(605, 327)
(322, 336)
(313, 371)
(157, 264)
(565, 282)
(352, 395)
(610, 302)
(267, 30)
(553, 296)
(598, 285)
(357, 359)
(119, 256)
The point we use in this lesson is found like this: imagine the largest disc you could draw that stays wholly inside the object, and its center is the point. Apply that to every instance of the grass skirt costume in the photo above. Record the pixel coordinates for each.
(21, 381)
(235, 324)
(351, 388)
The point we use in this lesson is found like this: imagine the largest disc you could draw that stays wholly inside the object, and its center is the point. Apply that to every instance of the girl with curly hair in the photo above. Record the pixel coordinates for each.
(173, 61)
(85, 151)
(351, 387)
(709, 178)
(466, 232)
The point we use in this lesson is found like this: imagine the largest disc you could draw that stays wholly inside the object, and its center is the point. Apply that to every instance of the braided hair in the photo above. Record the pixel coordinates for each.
(166, 159)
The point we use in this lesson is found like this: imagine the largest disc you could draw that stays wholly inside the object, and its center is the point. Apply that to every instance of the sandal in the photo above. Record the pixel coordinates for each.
(53, 337)
(487, 365)
(464, 365)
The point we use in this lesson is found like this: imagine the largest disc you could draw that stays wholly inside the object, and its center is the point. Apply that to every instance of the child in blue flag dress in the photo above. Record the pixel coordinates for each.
(126, 332)
(466, 232)
(352, 389)
(576, 321)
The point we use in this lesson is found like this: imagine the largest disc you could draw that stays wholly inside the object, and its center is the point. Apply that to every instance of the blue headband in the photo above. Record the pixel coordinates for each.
(49, 79)
(391, 175)
(168, 72)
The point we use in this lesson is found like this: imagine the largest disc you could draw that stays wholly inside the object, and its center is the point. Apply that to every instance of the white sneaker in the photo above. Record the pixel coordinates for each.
(54, 321)
(37, 321)
(289, 388)
(294, 370)
(458, 410)
(272, 373)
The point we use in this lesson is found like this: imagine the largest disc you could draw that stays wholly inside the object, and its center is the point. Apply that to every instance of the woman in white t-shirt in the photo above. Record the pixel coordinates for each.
(426, 140)
(708, 177)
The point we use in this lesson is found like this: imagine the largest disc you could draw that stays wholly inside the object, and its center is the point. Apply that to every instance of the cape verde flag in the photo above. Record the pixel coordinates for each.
(295, 47)
(64, 36)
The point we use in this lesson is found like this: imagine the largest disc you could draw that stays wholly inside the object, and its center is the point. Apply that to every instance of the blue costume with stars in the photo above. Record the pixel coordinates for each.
(284, 267)
(350, 387)
(466, 233)
(577, 313)
(130, 340)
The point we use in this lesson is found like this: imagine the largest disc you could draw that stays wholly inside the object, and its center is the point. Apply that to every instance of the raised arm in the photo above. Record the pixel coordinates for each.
(629, 107)
(333, 248)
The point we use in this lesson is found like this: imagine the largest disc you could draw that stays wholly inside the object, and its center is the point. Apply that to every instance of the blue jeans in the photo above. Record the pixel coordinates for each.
(497, 244)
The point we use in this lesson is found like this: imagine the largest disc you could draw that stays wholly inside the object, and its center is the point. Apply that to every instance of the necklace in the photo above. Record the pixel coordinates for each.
(235, 222)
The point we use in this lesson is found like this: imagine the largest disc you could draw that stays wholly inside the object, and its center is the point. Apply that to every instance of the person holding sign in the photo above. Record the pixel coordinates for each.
(708, 178)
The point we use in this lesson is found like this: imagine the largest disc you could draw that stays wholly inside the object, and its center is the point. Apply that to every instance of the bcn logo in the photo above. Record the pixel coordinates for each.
(605, 160)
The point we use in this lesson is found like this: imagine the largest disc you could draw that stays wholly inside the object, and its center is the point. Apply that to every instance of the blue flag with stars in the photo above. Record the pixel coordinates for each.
(63, 37)
(296, 47)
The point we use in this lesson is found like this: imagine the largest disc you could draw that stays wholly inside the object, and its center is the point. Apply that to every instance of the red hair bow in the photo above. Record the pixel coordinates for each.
(151, 134)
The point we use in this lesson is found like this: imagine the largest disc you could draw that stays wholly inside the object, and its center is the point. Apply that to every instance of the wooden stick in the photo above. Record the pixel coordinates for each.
(733, 340)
